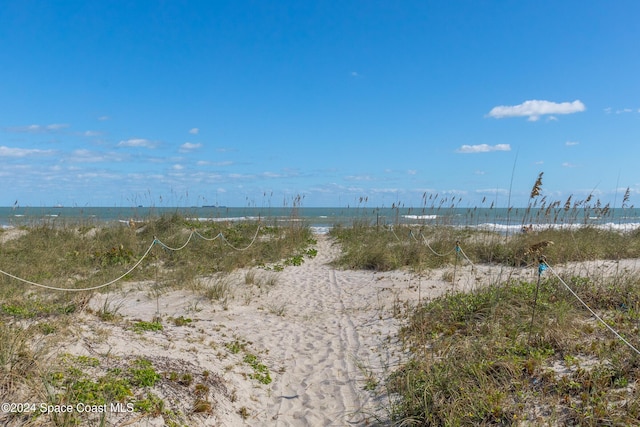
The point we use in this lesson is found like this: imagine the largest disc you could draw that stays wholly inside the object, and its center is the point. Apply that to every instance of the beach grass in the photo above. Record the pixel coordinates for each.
(418, 247)
(517, 352)
(35, 320)
(479, 358)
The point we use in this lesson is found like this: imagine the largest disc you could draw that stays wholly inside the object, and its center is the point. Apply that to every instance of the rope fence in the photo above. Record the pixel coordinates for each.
(542, 267)
(155, 241)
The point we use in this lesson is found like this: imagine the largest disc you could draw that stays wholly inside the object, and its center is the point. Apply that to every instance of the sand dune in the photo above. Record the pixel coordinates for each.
(327, 337)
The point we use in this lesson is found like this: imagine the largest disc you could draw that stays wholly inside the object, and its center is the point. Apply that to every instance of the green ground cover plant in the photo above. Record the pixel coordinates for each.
(478, 358)
(34, 320)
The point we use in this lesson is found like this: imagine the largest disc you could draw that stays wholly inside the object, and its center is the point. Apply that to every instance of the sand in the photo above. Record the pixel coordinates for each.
(324, 335)
(328, 338)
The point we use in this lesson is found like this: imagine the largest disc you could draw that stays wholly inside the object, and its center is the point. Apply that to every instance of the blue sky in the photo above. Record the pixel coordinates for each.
(119, 103)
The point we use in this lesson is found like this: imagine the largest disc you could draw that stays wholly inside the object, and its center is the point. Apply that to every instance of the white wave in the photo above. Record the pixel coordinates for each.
(420, 216)
(624, 227)
(320, 230)
(226, 219)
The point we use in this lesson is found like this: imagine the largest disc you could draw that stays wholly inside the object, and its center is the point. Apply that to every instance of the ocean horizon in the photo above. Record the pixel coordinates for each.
(321, 219)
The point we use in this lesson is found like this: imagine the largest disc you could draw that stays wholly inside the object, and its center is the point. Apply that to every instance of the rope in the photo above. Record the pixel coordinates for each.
(241, 249)
(176, 249)
(459, 249)
(543, 266)
(208, 239)
(155, 241)
(83, 289)
(432, 250)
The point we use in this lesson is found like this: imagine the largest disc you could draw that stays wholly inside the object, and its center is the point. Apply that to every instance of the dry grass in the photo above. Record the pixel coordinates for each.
(482, 358)
(35, 321)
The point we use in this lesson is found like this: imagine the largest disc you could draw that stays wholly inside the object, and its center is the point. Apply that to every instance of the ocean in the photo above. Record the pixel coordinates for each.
(322, 219)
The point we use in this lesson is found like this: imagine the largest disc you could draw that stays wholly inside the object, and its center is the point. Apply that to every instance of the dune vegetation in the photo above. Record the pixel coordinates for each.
(557, 349)
(56, 269)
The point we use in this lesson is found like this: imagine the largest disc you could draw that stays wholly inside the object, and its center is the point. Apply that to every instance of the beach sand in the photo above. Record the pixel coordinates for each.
(327, 337)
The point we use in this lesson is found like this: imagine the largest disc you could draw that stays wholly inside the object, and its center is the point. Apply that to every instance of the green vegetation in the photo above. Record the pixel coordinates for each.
(478, 360)
(382, 249)
(261, 372)
(142, 326)
(35, 321)
(482, 358)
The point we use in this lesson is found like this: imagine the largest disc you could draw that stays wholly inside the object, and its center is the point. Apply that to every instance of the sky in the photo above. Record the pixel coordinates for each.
(331, 103)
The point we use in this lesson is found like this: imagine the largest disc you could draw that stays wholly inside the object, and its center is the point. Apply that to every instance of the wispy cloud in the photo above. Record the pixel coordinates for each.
(137, 142)
(358, 178)
(610, 110)
(568, 165)
(483, 148)
(88, 156)
(56, 127)
(533, 109)
(194, 131)
(492, 191)
(236, 176)
(207, 163)
(189, 146)
(22, 152)
(271, 175)
(91, 133)
(571, 143)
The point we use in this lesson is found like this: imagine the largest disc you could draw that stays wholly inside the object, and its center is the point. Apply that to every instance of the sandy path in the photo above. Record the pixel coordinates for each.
(323, 334)
(328, 338)
(318, 346)
(320, 342)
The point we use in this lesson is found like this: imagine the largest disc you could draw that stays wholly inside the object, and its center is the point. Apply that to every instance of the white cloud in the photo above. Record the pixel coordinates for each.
(492, 191)
(177, 167)
(385, 190)
(21, 152)
(412, 172)
(91, 133)
(568, 165)
(137, 142)
(483, 148)
(533, 109)
(271, 175)
(194, 131)
(189, 146)
(207, 163)
(571, 143)
(56, 127)
(358, 178)
(88, 156)
(104, 118)
(241, 176)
